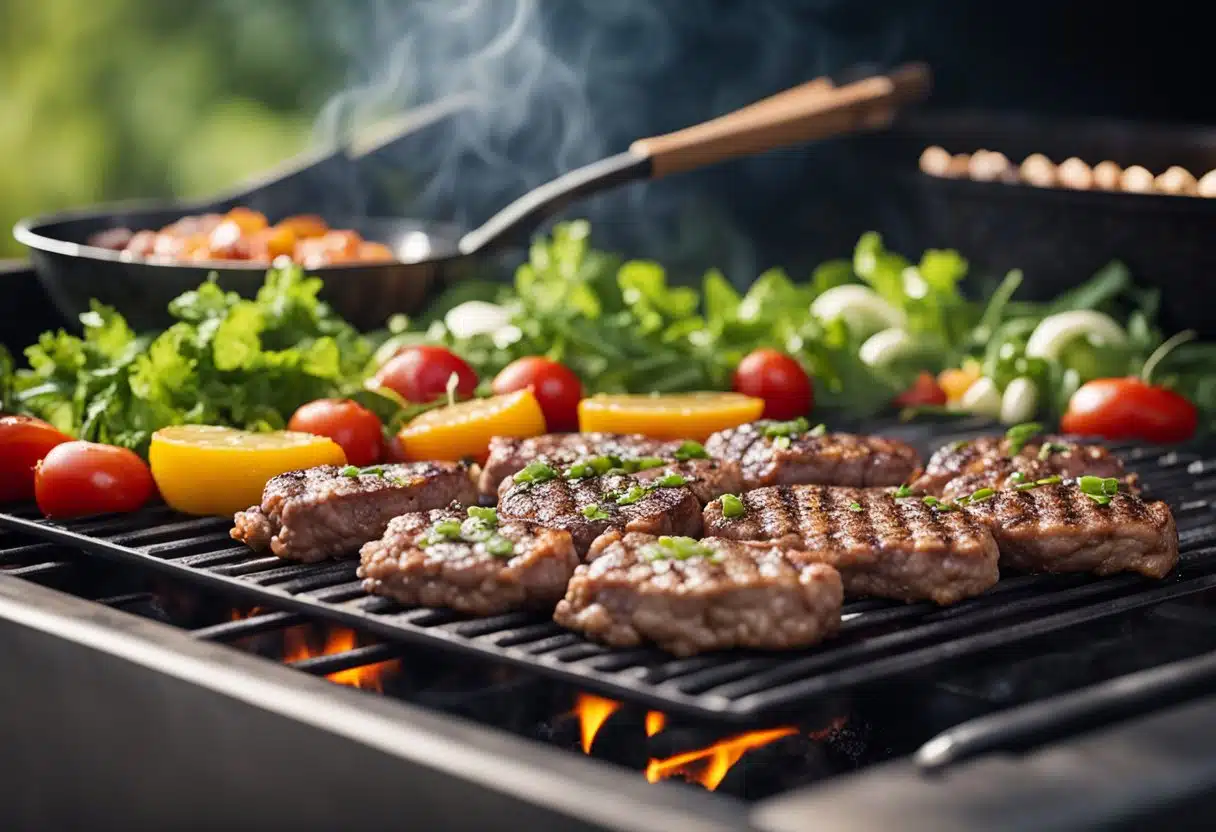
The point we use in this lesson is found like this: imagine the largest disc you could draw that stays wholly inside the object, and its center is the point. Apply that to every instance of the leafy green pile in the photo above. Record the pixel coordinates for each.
(227, 361)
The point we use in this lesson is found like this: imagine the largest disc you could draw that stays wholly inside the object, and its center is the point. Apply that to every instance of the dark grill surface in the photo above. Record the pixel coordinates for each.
(878, 640)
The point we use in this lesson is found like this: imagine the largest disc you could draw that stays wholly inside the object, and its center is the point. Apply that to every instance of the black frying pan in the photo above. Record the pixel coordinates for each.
(430, 253)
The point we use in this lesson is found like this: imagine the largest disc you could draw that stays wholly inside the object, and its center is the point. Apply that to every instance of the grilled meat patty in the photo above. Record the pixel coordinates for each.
(810, 457)
(708, 479)
(479, 575)
(1058, 528)
(590, 506)
(509, 455)
(319, 513)
(963, 468)
(727, 595)
(882, 546)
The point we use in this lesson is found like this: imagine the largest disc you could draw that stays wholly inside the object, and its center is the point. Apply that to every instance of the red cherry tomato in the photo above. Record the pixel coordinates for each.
(79, 478)
(779, 380)
(348, 423)
(555, 386)
(924, 391)
(24, 441)
(420, 374)
(1129, 408)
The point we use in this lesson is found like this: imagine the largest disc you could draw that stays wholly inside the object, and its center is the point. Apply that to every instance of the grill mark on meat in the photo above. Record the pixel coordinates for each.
(1058, 528)
(900, 549)
(317, 513)
(558, 504)
(748, 595)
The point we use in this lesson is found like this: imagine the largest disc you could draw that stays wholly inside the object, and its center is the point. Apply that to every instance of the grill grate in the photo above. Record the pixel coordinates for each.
(878, 640)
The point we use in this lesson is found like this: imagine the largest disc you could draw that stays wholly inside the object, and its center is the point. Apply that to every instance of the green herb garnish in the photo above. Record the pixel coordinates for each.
(690, 450)
(903, 492)
(489, 516)
(535, 472)
(499, 546)
(1027, 486)
(677, 548)
(369, 471)
(1050, 448)
(447, 529)
(819, 430)
(938, 505)
(593, 511)
(1016, 477)
(781, 442)
(1099, 489)
(644, 463)
(980, 495)
(349, 471)
(855, 506)
(670, 481)
(635, 493)
(732, 506)
(1019, 435)
(794, 427)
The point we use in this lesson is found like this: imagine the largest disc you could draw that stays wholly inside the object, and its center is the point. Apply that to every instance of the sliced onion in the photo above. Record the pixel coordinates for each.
(883, 348)
(1056, 331)
(476, 317)
(982, 398)
(1020, 401)
(861, 308)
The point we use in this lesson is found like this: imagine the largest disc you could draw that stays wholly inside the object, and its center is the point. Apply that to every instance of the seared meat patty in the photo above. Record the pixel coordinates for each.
(1058, 528)
(883, 547)
(787, 453)
(589, 506)
(689, 597)
(963, 468)
(509, 455)
(321, 512)
(485, 569)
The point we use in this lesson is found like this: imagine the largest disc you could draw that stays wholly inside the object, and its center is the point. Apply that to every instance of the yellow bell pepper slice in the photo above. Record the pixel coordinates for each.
(206, 469)
(956, 381)
(464, 429)
(682, 416)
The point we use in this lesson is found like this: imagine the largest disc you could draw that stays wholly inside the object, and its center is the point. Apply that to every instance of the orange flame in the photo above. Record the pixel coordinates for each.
(593, 712)
(719, 757)
(656, 721)
(298, 645)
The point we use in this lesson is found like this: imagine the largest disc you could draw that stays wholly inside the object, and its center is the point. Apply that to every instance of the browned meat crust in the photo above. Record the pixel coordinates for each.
(827, 459)
(560, 504)
(965, 467)
(465, 576)
(1058, 528)
(320, 513)
(508, 455)
(747, 595)
(883, 547)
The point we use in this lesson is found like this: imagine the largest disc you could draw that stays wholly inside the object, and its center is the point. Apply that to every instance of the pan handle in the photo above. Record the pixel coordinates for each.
(814, 110)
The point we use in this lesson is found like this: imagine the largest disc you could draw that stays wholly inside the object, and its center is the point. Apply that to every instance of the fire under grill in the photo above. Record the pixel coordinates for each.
(1036, 661)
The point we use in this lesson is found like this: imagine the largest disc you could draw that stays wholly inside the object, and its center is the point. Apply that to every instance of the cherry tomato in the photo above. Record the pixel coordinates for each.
(555, 386)
(924, 391)
(24, 441)
(79, 478)
(779, 380)
(1130, 408)
(420, 374)
(355, 428)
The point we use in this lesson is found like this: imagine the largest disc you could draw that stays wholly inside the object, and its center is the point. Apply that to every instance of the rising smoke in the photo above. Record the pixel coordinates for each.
(560, 83)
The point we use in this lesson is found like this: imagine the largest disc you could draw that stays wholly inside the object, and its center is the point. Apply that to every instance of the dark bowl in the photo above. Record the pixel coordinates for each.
(366, 295)
(1060, 237)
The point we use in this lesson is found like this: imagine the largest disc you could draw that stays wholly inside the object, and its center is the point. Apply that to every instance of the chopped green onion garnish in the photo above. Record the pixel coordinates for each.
(645, 463)
(592, 511)
(855, 506)
(1019, 435)
(938, 505)
(604, 464)
(781, 442)
(732, 506)
(819, 430)
(488, 516)
(500, 547)
(349, 471)
(903, 492)
(676, 548)
(1049, 480)
(793, 427)
(1050, 448)
(1017, 476)
(980, 495)
(448, 529)
(535, 472)
(631, 496)
(690, 450)
(369, 471)
(475, 531)
(670, 481)
(1099, 489)
(579, 470)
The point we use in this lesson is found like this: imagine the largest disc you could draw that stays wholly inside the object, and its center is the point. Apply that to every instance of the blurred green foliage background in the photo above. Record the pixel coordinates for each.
(116, 99)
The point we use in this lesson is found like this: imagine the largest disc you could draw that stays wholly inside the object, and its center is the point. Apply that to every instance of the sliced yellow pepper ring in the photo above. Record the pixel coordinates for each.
(683, 416)
(205, 469)
(464, 429)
